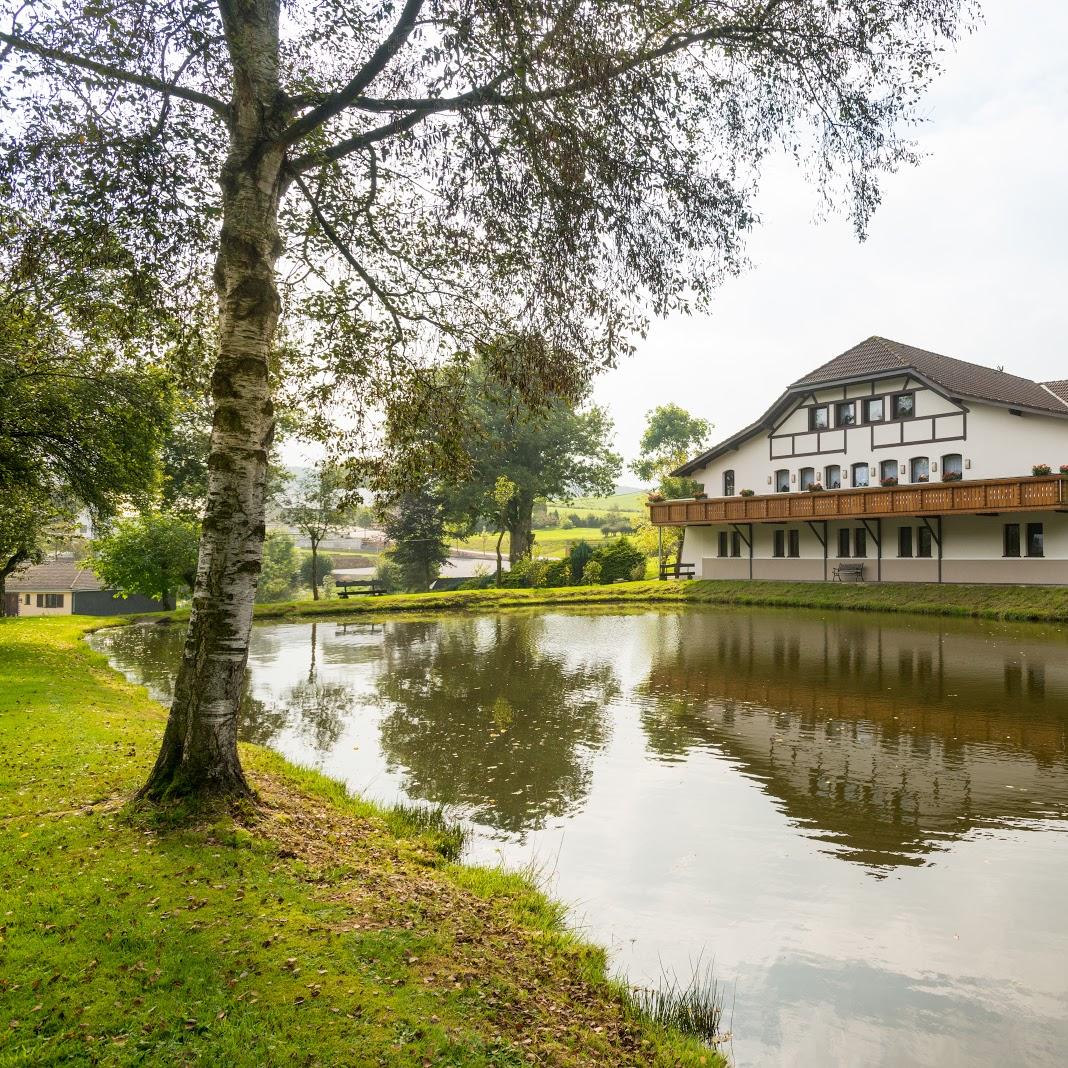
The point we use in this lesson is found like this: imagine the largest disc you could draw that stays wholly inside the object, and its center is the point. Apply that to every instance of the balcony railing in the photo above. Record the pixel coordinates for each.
(1041, 493)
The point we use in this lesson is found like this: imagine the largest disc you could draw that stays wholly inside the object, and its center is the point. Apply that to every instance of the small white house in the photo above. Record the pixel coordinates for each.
(66, 587)
(888, 463)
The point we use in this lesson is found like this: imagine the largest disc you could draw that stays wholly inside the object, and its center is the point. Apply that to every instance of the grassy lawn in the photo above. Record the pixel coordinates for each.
(633, 503)
(1039, 603)
(318, 931)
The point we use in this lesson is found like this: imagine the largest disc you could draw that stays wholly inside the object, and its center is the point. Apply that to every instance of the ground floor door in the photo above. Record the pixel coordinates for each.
(11, 604)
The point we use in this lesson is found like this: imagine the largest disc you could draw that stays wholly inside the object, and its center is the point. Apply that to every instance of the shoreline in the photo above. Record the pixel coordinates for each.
(321, 926)
(1041, 604)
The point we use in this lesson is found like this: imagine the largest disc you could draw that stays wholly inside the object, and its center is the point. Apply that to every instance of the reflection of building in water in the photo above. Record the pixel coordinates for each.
(885, 737)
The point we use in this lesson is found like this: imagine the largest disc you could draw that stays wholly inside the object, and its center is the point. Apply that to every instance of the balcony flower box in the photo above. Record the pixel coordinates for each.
(700, 496)
(1063, 469)
(952, 476)
(1041, 469)
(816, 487)
(747, 493)
(890, 480)
(655, 498)
(924, 478)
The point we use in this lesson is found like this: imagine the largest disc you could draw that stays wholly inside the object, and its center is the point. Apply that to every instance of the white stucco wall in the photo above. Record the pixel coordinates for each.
(31, 609)
(993, 443)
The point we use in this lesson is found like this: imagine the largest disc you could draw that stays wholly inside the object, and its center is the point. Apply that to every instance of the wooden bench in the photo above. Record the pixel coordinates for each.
(369, 586)
(848, 572)
(678, 571)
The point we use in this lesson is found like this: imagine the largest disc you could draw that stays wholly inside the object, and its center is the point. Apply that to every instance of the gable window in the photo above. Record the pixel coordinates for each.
(920, 469)
(903, 405)
(808, 477)
(736, 544)
(728, 483)
(1035, 540)
(845, 414)
(722, 543)
(1011, 542)
(923, 541)
(819, 418)
(875, 410)
(904, 541)
(888, 472)
(782, 481)
(779, 548)
(843, 542)
(795, 543)
(832, 477)
(860, 474)
(860, 542)
(952, 467)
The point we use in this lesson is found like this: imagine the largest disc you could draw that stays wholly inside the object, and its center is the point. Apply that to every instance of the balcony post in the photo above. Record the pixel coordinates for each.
(660, 553)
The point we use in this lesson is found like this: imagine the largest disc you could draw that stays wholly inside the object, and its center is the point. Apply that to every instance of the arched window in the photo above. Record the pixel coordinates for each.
(952, 467)
(808, 477)
(782, 481)
(920, 469)
(888, 472)
(860, 474)
(832, 477)
(728, 483)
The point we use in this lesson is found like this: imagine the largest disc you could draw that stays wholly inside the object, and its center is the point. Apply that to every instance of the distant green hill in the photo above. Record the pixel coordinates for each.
(632, 502)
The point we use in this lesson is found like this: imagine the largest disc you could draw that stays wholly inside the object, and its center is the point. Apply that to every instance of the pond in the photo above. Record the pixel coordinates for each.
(861, 819)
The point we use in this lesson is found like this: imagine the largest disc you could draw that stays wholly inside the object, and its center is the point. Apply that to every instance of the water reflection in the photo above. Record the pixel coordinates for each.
(884, 738)
(482, 714)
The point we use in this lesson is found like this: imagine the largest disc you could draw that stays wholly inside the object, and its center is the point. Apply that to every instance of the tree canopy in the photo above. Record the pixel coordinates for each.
(370, 187)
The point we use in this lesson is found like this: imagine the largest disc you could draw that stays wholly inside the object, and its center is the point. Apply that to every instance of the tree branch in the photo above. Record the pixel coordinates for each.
(337, 102)
(106, 70)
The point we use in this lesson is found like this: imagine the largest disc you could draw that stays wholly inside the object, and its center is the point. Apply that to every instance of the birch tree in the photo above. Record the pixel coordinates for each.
(368, 185)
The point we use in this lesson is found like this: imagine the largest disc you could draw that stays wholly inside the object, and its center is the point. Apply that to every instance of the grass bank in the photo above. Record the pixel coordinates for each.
(1038, 603)
(322, 931)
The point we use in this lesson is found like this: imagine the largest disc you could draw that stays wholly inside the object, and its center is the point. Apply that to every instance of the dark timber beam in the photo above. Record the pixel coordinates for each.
(822, 539)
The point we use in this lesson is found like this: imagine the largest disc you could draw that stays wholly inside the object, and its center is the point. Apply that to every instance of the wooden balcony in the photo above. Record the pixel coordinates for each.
(982, 496)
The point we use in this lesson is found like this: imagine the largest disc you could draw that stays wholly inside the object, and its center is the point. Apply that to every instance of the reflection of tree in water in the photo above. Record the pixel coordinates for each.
(481, 715)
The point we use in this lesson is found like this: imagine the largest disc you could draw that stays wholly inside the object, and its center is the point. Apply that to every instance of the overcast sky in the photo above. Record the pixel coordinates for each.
(967, 255)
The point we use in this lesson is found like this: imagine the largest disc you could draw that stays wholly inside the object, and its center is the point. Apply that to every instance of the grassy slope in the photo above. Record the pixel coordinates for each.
(552, 541)
(1044, 603)
(625, 502)
(327, 932)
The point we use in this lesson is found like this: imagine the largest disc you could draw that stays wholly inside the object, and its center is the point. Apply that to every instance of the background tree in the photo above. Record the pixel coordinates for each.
(315, 570)
(152, 554)
(278, 576)
(317, 508)
(671, 437)
(23, 520)
(555, 449)
(501, 506)
(415, 523)
(436, 174)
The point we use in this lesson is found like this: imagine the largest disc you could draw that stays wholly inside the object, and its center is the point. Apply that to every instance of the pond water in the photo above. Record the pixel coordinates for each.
(861, 819)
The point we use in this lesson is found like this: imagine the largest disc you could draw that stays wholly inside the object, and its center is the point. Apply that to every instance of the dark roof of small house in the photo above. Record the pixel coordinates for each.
(880, 356)
(53, 576)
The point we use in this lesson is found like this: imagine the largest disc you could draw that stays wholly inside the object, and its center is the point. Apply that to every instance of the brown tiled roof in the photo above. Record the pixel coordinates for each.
(880, 356)
(959, 378)
(1060, 387)
(54, 576)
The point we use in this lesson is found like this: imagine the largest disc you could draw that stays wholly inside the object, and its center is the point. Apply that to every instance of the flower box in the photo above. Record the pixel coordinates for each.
(952, 476)
(816, 487)
(924, 478)
(747, 493)
(1063, 469)
(890, 480)
(1041, 469)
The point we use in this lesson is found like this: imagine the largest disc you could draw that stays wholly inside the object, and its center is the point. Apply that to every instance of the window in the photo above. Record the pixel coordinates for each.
(795, 543)
(819, 418)
(860, 474)
(50, 600)
(808, 477)
(736, 544)
(904, 541)
(875, 410)
(1011, 541)
(779, 549)
(722, 543)
(904, 405)
(40, 600)
(923, 541)
(782, 481)
(860, 542)
(27, 601)
(832, 477)
(1035, 545)
(952, 467)
(887, 471)
(843, 542)
(845, 414)
(920, 469)
(728, 483)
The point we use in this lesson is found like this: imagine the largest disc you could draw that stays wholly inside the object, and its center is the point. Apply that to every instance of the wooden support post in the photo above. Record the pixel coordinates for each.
(660, 553)
(750, 552)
